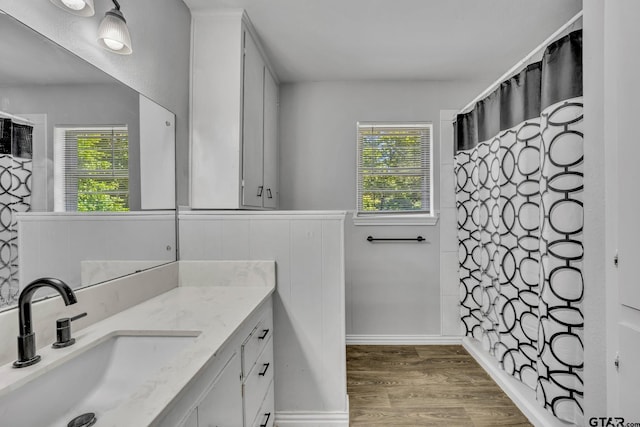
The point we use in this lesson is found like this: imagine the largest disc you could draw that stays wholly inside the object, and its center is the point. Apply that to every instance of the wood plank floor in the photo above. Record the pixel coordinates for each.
(434, 385)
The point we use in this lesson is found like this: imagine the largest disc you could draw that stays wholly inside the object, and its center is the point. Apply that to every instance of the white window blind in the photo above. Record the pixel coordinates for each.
(91, 169)
(394, 168)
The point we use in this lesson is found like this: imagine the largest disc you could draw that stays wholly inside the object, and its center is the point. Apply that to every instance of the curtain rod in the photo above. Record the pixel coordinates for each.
(522, 63)
(14, 117)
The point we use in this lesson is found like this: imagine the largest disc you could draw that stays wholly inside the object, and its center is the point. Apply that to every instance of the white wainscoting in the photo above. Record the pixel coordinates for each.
(54, 244)
(309, 305)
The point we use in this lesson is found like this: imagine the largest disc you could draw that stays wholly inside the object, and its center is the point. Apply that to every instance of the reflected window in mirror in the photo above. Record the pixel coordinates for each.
(91, 169)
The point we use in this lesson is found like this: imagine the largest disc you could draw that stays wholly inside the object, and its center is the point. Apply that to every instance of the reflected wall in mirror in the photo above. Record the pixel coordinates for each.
(87, 169)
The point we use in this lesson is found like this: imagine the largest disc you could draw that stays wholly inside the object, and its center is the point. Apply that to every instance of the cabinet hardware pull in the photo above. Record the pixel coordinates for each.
(268, 414)
(269, 196)
(259, 191)
(265, 332)
(266, 368)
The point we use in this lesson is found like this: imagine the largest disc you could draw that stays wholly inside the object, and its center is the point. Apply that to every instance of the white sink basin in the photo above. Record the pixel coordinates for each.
(94, 381)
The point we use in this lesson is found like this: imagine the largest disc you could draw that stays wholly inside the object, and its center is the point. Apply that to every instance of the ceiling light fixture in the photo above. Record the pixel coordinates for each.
(76, 7)
(113, 33)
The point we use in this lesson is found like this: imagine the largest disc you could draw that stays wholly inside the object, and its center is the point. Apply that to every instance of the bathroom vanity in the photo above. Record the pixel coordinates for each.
(199, 354)
(236, 387)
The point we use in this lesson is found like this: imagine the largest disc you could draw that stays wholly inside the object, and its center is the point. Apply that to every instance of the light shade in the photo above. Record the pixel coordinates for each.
(76, 7)
(113, 33)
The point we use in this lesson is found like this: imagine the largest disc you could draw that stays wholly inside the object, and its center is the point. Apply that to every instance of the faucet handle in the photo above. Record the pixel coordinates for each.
(78, 316)
(63, 331)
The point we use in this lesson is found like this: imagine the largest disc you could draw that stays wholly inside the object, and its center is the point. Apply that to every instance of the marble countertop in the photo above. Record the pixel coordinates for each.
(214, 312)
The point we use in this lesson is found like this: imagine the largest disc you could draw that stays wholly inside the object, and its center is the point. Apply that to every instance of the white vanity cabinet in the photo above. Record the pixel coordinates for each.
(222, 405)
(236, 387)
(234, 99)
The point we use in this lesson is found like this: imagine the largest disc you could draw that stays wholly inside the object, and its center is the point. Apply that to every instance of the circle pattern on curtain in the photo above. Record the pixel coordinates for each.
(520, 223)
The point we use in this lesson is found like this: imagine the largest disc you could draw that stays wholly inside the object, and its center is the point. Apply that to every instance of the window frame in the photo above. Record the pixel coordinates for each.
(408, 217)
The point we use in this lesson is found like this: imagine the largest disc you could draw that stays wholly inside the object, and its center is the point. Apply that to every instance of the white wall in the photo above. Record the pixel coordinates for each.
(392, 290)
(309, 325)
(596, 247)
(614, 171)
(158, 68)
(604, 122)
(318, 131)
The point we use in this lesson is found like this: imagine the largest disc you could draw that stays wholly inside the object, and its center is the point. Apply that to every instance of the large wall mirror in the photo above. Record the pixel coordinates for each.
(87, 169)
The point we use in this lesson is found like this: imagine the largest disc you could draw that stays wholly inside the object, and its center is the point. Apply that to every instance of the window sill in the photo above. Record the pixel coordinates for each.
(391, 219)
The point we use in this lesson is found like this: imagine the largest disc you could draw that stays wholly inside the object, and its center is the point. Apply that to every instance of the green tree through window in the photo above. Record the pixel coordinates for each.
(96, 170)
(393, 168)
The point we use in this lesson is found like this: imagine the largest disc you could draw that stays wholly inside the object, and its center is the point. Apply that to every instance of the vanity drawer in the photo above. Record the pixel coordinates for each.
(255, 343)
(267, 411)
(257, 383)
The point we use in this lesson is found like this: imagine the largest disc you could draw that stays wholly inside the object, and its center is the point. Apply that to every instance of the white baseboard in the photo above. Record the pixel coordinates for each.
(311, 419)
(523, 397)
(403, 339)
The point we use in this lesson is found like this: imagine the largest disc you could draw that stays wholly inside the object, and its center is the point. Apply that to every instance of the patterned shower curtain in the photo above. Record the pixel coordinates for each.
(16, 166)
(519, 170)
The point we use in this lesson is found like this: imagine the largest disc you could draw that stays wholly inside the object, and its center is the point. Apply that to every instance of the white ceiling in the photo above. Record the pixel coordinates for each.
(323, 40)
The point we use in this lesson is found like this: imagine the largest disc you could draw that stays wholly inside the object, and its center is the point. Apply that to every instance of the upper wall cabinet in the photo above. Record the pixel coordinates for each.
(234, 121)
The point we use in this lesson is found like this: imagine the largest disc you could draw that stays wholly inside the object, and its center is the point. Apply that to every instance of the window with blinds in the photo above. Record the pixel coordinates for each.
(91, 169)
(394, 168)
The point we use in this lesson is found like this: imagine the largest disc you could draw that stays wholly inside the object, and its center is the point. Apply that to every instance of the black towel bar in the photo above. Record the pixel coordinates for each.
(396, 239)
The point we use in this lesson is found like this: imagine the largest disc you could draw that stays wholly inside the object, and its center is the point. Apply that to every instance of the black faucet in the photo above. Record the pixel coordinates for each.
(27, 339)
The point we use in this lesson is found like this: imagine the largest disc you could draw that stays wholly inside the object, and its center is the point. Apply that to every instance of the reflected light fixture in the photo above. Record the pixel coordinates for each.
(76, 7)
(113, 33)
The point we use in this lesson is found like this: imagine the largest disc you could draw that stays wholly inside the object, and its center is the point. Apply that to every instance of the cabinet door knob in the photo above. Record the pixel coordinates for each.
(265, 332)
(259, 191)
(264, 371)
(269, 196)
